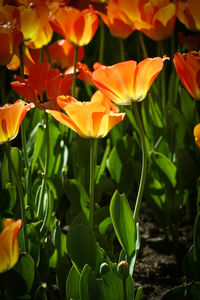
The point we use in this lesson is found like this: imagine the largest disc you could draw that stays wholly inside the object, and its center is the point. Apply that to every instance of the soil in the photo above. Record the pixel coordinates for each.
(157, 268)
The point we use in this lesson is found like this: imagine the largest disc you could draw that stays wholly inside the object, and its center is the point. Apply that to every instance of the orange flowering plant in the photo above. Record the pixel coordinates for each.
(82, 193)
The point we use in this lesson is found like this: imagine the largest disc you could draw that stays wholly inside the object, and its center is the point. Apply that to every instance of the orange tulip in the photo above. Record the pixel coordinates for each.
(157, 18)
(92, 119)
(127, 82)
(188, 12)
(9, 250)
(43, 85)
(188, 68)
(35, 25)
(62, 54)
(10, 35)
(116, 20)
(11, 116)
(78, 27)
(196, 133)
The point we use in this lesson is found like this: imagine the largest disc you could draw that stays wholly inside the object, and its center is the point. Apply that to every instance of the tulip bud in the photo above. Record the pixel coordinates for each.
(123, 269)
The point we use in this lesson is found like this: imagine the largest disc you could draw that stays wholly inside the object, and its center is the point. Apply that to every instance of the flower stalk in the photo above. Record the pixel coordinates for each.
(92, 173)
(21, 197)
(144, 163)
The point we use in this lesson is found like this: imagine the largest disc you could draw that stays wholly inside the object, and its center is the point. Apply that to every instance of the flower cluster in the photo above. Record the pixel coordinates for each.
(43, 46)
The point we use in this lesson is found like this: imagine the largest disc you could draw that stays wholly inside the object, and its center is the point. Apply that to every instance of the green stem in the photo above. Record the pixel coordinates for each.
(102, 41)
(41, 55)
(75, 75)
(144, 49)
(124, 288)
(21, 55)
(144, 163)
(48, 55)
(46, 164)
(163, 78)
(21, 197)
(122, 52)
(92, 173)
(2, 83)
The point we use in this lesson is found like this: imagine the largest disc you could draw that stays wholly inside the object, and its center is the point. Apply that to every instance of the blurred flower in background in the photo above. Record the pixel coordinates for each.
(9, 250)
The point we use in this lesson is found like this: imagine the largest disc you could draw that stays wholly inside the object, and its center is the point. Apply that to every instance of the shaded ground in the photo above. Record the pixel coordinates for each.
(157, 269)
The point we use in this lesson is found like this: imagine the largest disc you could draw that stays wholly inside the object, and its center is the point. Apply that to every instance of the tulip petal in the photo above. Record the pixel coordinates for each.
(116, 82)
(9, 250)
(147, 71)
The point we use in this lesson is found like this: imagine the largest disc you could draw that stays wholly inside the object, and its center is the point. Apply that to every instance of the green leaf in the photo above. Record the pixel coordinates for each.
(59, 241)
(122, 219)
(18, 164)
(111, 287)
(88, 285)
(187, 105)
(72, 284)
(189, 291)
(21, 276)
(104, 160)
(77, 196)
(33, 243)
(129, 285)
(81, 246)
(121, 164)
(165, 166)
(39, 141)
(139, 294)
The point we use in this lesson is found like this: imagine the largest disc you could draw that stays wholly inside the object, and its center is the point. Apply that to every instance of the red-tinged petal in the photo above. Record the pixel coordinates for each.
(37, 77)
(85, 73)
(187, 67)
(24, 90)
(62, 53)
(64, 101)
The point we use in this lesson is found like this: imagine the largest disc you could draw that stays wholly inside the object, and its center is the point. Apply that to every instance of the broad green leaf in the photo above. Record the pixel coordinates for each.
(21, 276)
(59, 240)
(173, 88)
(122, 219)
(33, 243)
(139, 294)
(77, 196)
(88, 285)
(38, 142)
(187, 105)
(81, 246)
(111, 287)
(6, 170)
(165, 166)
(129, 284)
(72, 284)
(189, 291)
(121, 163)
(103, 163)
